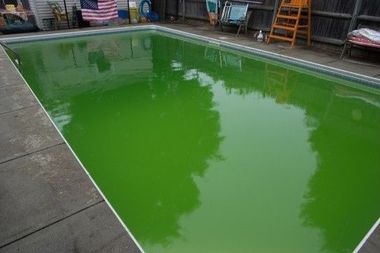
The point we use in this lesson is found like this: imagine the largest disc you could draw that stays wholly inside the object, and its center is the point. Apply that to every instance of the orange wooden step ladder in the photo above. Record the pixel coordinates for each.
(293, 18)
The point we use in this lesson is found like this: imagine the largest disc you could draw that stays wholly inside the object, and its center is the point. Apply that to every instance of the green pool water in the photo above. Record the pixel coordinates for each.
(201, 149)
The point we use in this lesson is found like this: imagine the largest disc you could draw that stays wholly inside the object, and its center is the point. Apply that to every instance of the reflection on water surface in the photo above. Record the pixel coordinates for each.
(203, 150)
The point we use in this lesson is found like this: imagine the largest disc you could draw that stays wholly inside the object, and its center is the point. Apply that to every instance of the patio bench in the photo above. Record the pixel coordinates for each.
(362, 38)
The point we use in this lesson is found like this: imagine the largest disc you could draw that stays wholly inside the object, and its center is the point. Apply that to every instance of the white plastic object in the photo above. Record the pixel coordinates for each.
(260, 37)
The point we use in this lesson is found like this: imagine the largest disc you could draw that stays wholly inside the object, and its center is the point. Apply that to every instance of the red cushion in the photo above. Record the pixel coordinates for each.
(363, 42)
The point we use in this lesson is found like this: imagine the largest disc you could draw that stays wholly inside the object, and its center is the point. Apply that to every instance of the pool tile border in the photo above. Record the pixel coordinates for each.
(367, 237)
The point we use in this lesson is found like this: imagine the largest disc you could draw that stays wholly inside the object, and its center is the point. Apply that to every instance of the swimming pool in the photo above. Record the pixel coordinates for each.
(200, 148)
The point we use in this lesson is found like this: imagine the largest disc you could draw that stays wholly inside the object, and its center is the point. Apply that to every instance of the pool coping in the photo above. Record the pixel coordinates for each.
(367, 237)
(361, 79)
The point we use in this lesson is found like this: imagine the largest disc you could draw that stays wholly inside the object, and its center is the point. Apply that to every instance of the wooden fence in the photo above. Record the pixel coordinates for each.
(331, 19)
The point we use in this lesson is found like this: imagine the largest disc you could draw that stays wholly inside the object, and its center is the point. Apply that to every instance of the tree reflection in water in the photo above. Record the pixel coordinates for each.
(145, 120)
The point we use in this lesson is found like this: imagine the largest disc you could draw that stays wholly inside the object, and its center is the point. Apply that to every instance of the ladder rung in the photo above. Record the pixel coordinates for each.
(287, 17)
(284, 27)
(288, 5)
(286, 24)
(280, 37)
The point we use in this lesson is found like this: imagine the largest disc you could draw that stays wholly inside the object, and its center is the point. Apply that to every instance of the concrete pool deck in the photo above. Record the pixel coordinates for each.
(48, 202)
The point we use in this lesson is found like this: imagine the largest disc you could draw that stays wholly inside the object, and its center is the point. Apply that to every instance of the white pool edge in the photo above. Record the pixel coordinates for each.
(366, 237)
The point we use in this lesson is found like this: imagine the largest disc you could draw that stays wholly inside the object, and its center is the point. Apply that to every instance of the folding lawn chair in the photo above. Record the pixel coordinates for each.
(235, 14)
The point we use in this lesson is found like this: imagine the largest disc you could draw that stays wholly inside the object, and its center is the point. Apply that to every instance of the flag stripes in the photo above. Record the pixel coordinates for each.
(99, 10)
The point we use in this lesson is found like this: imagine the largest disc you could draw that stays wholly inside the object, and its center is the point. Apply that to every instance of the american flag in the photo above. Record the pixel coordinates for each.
(98, 10)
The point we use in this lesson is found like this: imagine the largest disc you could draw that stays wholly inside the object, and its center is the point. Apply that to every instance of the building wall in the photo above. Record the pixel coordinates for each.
(42, 11)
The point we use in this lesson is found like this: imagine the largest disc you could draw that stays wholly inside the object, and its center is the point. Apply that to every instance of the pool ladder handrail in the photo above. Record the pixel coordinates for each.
(17, 58)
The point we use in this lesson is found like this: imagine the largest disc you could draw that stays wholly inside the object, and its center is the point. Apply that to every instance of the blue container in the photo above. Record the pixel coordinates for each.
(123, 14)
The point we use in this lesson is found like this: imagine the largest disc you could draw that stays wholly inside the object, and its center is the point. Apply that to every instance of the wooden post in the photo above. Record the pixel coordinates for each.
(354, 18)
(355, 14)
(163, 15)
(275, 10)
(160, 7)
(67, 15)
(183, 10)
(129, 12)
(177, 8)
(309, 24)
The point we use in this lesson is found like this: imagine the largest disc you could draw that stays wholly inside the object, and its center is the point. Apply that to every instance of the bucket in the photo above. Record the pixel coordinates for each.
(134, 15)
(123, 14)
